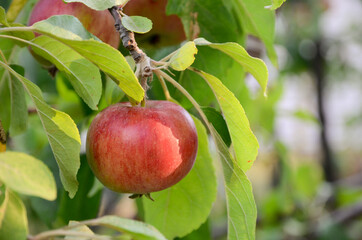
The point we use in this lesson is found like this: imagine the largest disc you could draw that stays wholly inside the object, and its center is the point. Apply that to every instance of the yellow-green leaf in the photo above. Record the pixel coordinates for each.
(137, 24)
(25, 174)
(62, 133)
(82, 74)
(182, 208)
(253, 65)
(68, 30)
(14, 9)
(100, 5)
(184, 57)
(244, 141)
(15, 223)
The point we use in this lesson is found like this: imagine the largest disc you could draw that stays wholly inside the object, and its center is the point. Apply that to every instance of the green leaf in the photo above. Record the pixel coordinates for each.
(239, 195)
(306, 116)
(112, 94)
(27, 35)
(99, 5)
(81, 229)
(258, 21)
(214, 20)
(19, 110)
(25, 174)
(3, 19)
(179, 210)
(218, 121)
(108, 59)
(81, 207)
(137, 230)
(4, 197)
(61, 131)
(184, 57)
(137, 24)
(97, 187)
(15, 8)
(276, 4)
(64, 26)
(244, 141)
(255, 66)
(15, 223)
(203, 232)
(5, 109)
(82, 74)
(240, 201)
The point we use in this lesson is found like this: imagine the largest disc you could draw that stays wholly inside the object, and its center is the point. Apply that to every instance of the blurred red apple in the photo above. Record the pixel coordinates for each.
(99, 23)
(166, 30)
(141, 149)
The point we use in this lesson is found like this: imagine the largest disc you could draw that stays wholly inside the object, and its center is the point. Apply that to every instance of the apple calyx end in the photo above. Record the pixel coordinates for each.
(139, 195)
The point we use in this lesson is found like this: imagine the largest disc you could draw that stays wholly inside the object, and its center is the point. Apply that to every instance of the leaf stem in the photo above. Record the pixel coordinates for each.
(187, 95)
(17, 29)
(164, 86)
(61, 232)
(3, 56)
(165, 59)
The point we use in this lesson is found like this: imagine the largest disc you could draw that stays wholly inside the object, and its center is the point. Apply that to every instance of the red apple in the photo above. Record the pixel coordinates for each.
(166, 30)
(141, 149)
(99, 23)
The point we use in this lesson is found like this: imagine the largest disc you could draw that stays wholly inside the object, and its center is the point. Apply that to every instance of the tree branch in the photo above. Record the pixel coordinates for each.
(2, 134)
(143, 62)
(2, 138)
(127, 37)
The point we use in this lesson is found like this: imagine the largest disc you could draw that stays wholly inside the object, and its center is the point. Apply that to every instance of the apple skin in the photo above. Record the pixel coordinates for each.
(99, 23)
(166, 30)
(141, 149)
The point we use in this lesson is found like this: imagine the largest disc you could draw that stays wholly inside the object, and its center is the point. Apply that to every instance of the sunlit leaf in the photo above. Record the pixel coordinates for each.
(218, 121)
(82, 74)
(183, 207)
(24, 174)
(3, 19)
(4, 197)
(137, 230)
(100, 5)
(81, 229)
(276, 4)
(184, 57)
(137, 24)
(108, 59)
(240, 200)
(258, 21)
(244, 141)
(61, 131)
(15, 222)
(255, 66)
(239, 195)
